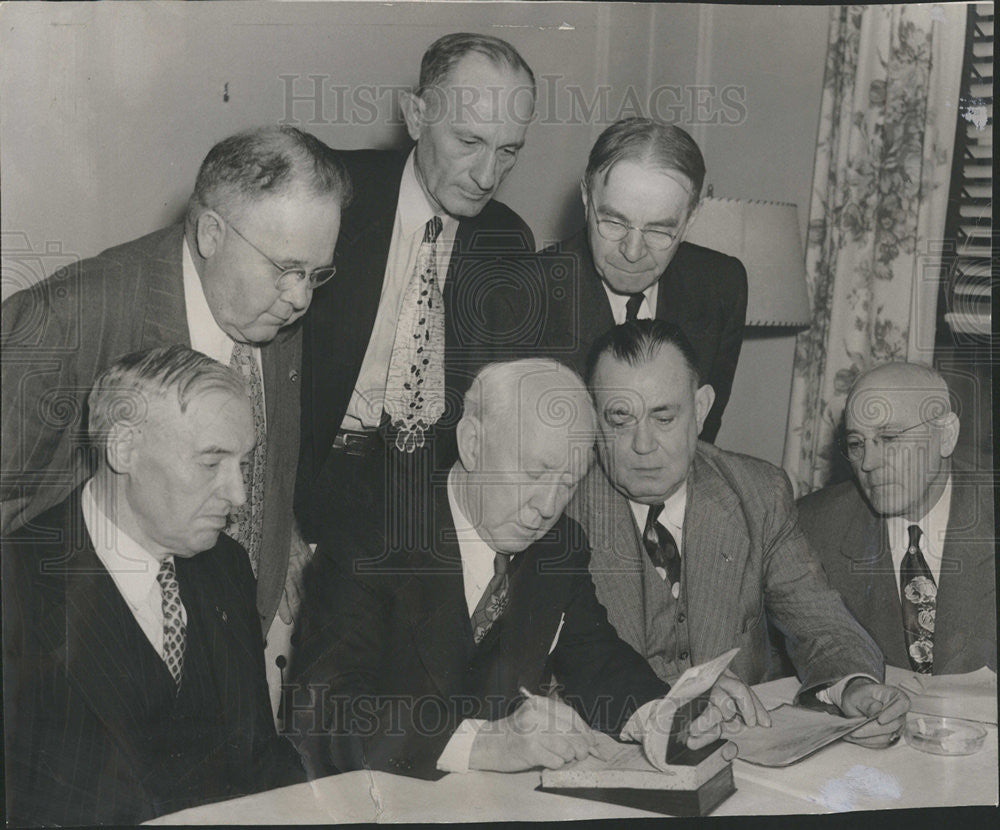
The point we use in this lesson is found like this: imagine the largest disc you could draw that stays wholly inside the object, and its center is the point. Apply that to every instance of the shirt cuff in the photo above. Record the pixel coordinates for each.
(458, 750)
(835, 693)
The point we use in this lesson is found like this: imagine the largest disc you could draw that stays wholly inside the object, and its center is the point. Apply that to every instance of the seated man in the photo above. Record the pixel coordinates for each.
(910, 543)
(420, 632)
(695, 548)
(133, 659)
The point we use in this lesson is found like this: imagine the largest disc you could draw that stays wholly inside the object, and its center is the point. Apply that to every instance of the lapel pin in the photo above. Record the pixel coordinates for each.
(293, 375)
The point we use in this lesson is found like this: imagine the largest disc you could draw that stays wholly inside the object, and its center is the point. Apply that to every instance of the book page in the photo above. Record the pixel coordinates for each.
(794, 733)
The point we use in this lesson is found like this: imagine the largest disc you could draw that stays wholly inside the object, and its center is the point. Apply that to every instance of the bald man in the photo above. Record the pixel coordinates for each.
(909, 543)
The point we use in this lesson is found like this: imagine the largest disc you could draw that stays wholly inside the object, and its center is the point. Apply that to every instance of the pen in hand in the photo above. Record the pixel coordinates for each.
(594, 747)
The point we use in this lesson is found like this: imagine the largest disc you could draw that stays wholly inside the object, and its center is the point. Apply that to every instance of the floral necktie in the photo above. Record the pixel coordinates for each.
(174, 629)
(918, 592)
(246, 524)
(414, 390)
(493, 601)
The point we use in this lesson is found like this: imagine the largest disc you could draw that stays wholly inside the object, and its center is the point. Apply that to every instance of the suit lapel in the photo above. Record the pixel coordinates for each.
(434, 598)
(593, 297)
(714, 557)
(615, 557)
(165, 319)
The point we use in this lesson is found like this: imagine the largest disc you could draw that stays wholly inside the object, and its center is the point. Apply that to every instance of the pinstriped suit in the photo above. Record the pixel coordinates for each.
(95, 733)
(61, 333)
(745, 560)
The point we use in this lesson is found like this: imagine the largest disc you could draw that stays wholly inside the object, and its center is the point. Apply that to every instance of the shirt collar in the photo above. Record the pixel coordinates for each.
(206, 336)
(620, 301)
(413, 209)
(130, 565)
(672, 517)
(933, 526)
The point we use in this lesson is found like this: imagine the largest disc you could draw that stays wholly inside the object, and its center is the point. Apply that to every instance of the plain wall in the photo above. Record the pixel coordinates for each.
(108, 109)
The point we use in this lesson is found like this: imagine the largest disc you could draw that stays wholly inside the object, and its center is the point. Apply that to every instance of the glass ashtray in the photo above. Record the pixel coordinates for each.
(944, 736)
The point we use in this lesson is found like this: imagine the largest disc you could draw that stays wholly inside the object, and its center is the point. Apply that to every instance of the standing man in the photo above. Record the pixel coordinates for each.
(133, 664)
(640, 191)
(695, 548)
(910, 543)
(421, 635)
(386, 351)
(231, 282)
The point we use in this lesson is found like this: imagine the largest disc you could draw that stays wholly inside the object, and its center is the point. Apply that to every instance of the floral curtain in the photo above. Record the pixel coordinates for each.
(876, 221)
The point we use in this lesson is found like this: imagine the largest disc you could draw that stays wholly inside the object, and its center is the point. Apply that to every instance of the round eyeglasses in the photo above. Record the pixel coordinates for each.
(853, 446)
(614, 230)
(290, 278)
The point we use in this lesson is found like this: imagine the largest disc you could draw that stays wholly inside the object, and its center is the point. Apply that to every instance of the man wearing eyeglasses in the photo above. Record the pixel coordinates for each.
(231, 282)
(641, 191)
(909, 543)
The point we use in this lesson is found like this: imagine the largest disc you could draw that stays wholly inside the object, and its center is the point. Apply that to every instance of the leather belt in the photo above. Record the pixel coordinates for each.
(357, 442)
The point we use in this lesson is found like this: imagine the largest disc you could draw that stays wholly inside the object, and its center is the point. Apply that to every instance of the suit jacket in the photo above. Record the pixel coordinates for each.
(745, 561)
(339, 324)
(61, 333)
(388, 642)
(561, 307)
(853, 544)
(81, 682)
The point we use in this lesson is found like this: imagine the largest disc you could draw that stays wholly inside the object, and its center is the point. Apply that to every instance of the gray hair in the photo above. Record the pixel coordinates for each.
(644, 140)
(267, 161)
(122, 392)
(446, 51)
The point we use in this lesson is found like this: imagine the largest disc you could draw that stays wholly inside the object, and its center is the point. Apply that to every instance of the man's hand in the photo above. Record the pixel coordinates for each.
(864, 697)
(730, 697)
(543, 732)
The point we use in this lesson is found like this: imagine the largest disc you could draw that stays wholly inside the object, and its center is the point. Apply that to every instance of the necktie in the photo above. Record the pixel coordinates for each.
(245, 525)
(632, 307)
(414, 390)
(661, 548)
(174, 629)
(493, 601)
(918, 593)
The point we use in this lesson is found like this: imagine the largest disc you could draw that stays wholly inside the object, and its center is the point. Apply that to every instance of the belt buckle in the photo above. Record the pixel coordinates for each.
(354, 443)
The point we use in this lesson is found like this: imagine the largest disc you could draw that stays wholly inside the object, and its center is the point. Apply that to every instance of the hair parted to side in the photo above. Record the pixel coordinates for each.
(494, 390)
(650, 142)
(122, 392)
(637, 342)
(448, 50)
(267, 161)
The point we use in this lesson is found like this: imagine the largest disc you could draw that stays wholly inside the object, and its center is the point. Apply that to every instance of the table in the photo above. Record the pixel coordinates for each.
(838, 778)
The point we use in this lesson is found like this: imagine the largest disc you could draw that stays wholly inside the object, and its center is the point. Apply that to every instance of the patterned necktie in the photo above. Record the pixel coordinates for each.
(414, 391)
(661, 547)
(919, 599)
(632, 307)
(245, 525)
(174, 629)
(493, 601)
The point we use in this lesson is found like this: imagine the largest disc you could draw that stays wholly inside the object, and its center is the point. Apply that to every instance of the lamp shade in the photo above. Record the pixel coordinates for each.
(764, 236)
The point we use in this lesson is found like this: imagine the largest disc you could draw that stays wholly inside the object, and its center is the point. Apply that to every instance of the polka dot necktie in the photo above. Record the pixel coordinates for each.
(918, 594)
(174, 628)
(414, 392)
(661, 548)
(493, 601)
(246, 524)
(632, 306)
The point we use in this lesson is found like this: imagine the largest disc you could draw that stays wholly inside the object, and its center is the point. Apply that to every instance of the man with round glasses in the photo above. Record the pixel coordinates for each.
(641, 191)
(230, 281)
(909, 543)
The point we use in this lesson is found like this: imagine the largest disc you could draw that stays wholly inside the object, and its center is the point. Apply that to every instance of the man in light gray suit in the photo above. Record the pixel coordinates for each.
(695, 548)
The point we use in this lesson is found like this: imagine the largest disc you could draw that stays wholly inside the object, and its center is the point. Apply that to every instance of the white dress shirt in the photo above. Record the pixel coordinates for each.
(133, 569)
(933, 527)
(206, 336)
(619, 303)
(477, 571)
(413, 212)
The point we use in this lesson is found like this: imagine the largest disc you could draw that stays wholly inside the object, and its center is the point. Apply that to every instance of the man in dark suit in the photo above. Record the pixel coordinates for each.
(133, 663)
(231, 282)
(428, 641)
(423, 224)
(910, 542)
(641, 191)
(696, 550)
